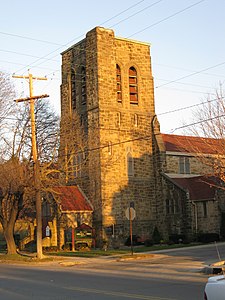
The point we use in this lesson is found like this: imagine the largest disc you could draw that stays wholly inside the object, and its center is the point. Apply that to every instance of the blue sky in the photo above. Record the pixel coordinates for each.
(186, 37)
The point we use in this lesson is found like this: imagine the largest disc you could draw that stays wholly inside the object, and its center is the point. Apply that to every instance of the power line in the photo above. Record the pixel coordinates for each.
(187, 70)
(23, 54)
(198, 122)
(138, 12)
(168, 81)
(19, 64)
(192, 74)
(125, 10)
(160, 21)
(106, 146)
(186, 107)
(71, 41)
(57, 44)
(159, 114)
(166, 18)
(110, 19)
(29, 38)
(184, 83)
(181, 83)
(128, 36)
(44, 57)
(146, 137)
(188, 91)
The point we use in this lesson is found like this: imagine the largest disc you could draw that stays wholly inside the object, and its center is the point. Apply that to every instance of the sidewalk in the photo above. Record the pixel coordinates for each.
(159, 259)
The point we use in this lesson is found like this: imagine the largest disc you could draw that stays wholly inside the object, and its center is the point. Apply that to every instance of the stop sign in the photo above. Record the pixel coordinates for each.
(130, 213)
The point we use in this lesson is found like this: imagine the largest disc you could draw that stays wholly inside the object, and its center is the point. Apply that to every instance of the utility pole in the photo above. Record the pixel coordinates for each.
(30, 77)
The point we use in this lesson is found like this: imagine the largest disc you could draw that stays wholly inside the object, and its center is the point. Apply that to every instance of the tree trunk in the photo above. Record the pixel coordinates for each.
(58, 215)
(8, 233)
(39, 225)
(8, 228)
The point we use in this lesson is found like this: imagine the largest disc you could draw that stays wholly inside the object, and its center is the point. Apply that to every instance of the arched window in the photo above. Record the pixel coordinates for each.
(83, 85)
(130, 165)
(133, 85)
(167, 206)
(110, 148)
(73, 89)
(46, 209)
(135, 120)
(118, 83)
(118, 119)
(77, 162)
(184, 165)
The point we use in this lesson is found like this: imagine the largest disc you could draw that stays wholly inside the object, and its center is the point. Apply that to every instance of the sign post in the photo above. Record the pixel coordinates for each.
(131, 214)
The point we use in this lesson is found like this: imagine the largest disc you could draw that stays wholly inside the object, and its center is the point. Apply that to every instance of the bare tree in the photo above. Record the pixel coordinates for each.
(209, 126)
(18, 136)
(7, 93)
(16, 173)
(13, 182)
(73, 148)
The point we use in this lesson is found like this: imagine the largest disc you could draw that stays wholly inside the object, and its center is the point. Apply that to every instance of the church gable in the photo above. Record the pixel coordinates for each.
(71, 199)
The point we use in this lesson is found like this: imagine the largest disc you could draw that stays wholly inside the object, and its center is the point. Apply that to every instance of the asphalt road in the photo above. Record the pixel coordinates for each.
(170, 275)
(34, 283)
(208, 254)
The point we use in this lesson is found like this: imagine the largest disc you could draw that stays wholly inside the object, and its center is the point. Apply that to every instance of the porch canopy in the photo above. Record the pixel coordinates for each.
(72, 199)
(199, 187)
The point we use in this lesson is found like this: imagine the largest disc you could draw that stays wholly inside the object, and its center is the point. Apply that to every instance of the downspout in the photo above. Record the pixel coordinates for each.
(196, 216)
(195, 211)
(155, 164)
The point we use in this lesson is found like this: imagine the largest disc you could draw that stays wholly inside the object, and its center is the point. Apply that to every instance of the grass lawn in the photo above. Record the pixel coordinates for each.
(110, 252)
(126, 251)
(6, 258)
(89, 253)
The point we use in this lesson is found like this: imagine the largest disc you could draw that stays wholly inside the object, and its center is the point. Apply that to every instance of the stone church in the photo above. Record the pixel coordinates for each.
(111, 145)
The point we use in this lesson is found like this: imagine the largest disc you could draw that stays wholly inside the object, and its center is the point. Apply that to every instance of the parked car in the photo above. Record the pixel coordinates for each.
(215, 288)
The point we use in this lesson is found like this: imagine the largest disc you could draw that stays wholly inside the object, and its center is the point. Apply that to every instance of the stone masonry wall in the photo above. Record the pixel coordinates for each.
(196, 165)
(115, 129)
(119, 133)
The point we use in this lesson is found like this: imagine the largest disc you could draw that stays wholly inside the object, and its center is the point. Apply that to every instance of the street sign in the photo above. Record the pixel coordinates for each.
(130, 213)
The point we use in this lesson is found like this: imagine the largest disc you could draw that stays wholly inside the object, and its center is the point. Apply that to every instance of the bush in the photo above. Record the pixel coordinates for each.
(135, 239)
(177, 238)
(50, 249)
(170, 242)
(149, 243)
(67, 246)
(156, 236)
(208, 237)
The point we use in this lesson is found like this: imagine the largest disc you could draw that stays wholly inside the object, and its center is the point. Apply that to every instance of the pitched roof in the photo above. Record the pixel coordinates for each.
(72, 199)
(193, 144)
(84, 226)
(199, 187)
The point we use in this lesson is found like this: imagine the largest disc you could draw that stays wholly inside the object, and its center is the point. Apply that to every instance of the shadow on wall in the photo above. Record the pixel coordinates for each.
(136, 189)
